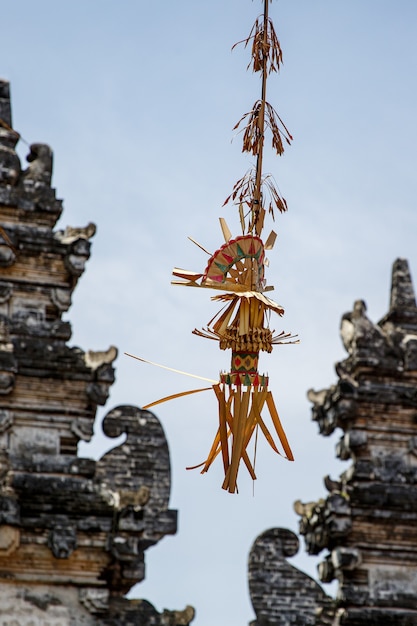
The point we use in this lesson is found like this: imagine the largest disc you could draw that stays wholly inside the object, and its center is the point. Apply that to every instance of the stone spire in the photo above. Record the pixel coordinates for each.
(403, 308)
(7, 135)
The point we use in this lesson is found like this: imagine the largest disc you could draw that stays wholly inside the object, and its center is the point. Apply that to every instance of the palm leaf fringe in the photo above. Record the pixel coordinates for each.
(243, 195)
(263, 48)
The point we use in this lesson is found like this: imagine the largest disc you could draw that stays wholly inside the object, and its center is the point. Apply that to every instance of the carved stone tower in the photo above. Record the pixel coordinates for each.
(73, 531)
(367, 525)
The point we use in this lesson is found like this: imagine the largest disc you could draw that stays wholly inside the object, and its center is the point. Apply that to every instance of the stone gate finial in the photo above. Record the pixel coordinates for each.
(402, 290)
(9, 161)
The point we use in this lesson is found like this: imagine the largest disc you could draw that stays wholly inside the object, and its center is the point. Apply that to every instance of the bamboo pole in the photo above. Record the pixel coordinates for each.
(257, 199)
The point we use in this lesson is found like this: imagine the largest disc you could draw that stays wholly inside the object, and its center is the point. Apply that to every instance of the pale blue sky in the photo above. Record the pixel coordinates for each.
(138, 101)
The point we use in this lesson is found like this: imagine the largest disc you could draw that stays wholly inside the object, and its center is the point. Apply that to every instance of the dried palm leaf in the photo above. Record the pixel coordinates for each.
(243, 195)
(253, 132)
(266, 49)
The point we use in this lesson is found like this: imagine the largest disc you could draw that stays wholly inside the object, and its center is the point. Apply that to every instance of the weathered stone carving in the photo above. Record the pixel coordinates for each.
(142, 613)
(10, 166)
(97, 359)
(6, 420)
(71, 234)
(61, 298)
(139, 472)
(78, 255)
(368, 523)
(26, 607)
(95, 600)
(281, 594)
(146, 451)
(8, 369)
(7, 256)
(83, 428)
(73, 531)
(40, 160)
(9, 161)
(9, 540)
(62, 540)
(178, 618)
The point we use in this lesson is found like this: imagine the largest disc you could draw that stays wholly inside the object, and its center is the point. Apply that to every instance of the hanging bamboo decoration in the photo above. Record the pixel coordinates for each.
(237, 268)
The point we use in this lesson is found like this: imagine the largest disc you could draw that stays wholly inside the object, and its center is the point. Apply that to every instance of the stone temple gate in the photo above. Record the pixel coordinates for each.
(73, 531)
(367, 525)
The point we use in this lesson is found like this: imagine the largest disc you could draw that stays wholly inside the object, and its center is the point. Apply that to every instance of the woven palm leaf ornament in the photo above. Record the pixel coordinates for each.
(237, 269)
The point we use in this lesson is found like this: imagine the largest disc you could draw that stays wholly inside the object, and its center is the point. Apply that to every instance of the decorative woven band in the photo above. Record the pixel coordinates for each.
(244, 362)
(256, 340)
(245, 379)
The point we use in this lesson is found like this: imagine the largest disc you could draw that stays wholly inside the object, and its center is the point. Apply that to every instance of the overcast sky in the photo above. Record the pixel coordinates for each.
(138, 101)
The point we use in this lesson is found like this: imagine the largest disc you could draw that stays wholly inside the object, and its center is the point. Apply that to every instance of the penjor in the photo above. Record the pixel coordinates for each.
(237, 268)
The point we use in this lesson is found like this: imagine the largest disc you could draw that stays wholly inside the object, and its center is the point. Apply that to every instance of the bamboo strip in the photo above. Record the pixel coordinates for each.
(240, 415)
(225, 229)
(193, 467)
(255, 413)
(220, 322)
(249, 466)
(199, 246)
(269, 243)
(244, 317)
(174, 396)
(212, 457)
(171, 369)
(226, 481)
(260, 221)
(245, 455)
(235, 274)
(249, 428)
(227, 285)
(223, 426)
(267, 302)
(260, 314)
(254, 416)
(278, 427)
(214, 451)
(255, 313)
(190, 283)
(249, 276)
(186, 274)
(220, 443)
(268, 435)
